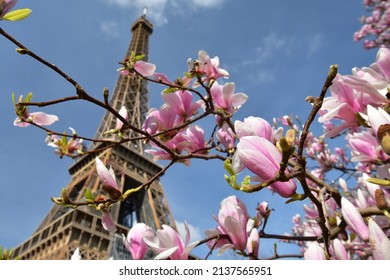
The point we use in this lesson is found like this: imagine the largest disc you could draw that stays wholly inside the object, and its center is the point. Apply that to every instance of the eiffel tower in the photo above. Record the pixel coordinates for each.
(64, 229)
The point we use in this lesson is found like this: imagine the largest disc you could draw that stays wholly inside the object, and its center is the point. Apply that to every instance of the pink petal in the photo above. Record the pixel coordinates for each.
(19, 123)
(383, 62)
(236, 233)
(314, 252)
(353, 218)
(107, 176)
(253, 242)
(168, 253)
(160, 77)
(339, 250)
(379, 242)
(135, 240)
(145, 68)
(123, 113)
(238, 99)
(41, 118)
(262, 158)
(108, 223)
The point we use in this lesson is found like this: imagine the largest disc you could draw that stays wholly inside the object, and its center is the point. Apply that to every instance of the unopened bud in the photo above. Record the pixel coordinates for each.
(384, 137)
(310, 99)
(333, 71)
(21, 51)
(263, 209)
(283, 145)
(65, 196)
(380, 182)
(112, 192)
(290, 136)
(380, 200)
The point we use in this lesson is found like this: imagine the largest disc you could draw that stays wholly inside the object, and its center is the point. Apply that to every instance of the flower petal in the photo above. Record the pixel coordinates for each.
(145, 68)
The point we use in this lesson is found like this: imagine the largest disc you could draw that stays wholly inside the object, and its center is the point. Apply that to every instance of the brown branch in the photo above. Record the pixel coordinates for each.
(48, 103)
(301, 161)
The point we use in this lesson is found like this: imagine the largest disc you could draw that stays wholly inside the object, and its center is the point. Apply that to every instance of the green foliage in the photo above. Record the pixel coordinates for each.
(89, 197)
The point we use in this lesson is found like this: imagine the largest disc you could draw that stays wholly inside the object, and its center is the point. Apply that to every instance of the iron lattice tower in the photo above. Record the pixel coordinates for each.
(63, 229)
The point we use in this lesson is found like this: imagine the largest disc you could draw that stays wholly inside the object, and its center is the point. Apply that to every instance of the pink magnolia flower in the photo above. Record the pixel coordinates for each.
(383, 60)
(380, 243)
(210, 67)
(160, 120)
(5, 6)
(344, 104)
(262, 158)
(108, 179)
(134, 62)
(225, 98)
(181, 103)
(39, 118)
(63, 146)
(232, 219)
(134, 242)
(168, 244)
(351, 94)
(254, 126)
(365, 147)
(314, 252)
(353, 218)
(264, 209)
(24, 118)
(151, 123)
(226, 137)
(191, 140)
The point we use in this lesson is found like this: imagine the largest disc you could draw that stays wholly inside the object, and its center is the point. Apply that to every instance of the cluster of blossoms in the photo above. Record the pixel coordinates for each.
(376, 27)
(358, 101)
(359, 104)
(169, 123)
(166, 243)
(236, 230)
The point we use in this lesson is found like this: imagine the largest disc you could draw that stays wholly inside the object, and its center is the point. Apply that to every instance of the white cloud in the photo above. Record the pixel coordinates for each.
(110, 28)
(207, 3)
(195, 232)
(264, 76)
(314, 45)
(271, 46)
(160, 10)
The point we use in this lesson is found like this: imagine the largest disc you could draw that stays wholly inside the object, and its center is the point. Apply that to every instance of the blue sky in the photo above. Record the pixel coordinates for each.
(276, 52)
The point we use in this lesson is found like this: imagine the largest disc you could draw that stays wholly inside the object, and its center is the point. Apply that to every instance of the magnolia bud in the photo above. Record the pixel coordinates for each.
(112, 192)
(290, 136)
(380, 200)
(21, 51)
(384, 137)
